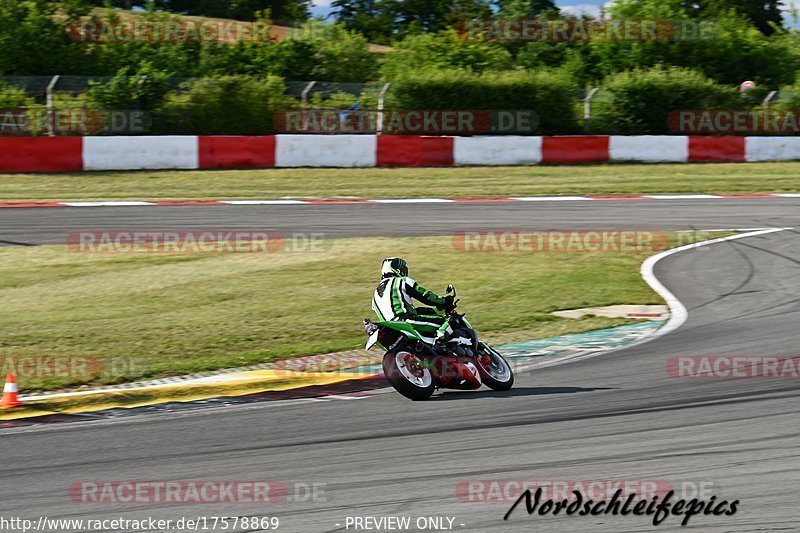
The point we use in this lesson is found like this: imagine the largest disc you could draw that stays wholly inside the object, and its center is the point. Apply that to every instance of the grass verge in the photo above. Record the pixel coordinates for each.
(155, 315)
(718, 178)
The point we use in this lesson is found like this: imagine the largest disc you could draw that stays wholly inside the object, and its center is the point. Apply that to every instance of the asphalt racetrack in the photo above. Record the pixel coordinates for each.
(52, 225)
(616, 417)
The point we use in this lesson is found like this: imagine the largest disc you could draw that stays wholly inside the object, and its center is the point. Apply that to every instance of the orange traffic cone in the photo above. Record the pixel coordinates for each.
(10, 393)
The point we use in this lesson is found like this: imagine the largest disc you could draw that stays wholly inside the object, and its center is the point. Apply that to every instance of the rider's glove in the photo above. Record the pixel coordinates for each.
(449, 303)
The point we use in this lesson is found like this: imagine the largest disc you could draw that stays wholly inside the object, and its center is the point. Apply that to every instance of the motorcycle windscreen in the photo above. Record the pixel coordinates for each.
(373, 339)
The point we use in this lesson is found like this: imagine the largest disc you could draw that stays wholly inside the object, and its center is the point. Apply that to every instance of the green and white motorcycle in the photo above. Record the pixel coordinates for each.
(416, 368)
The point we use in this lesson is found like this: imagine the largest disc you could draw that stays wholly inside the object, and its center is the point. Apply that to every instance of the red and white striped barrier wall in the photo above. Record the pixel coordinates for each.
(123, 153)
(60, 154)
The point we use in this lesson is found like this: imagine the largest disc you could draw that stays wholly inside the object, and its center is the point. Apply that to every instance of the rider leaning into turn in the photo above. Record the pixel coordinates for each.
(392, 301)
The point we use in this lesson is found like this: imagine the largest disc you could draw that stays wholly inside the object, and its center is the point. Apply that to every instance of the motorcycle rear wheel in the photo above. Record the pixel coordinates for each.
(405, 373)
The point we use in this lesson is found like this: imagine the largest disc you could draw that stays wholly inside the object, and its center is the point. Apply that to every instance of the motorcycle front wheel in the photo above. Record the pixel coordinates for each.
(407, 373)
(494, 369)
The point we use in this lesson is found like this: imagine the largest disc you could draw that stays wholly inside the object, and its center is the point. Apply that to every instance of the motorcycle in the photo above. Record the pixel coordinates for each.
(416, 367)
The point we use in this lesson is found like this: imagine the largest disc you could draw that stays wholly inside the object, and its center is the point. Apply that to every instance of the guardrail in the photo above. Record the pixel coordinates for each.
(61, 154)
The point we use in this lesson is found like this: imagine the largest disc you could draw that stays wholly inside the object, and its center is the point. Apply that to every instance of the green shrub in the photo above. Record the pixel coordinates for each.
(230, 105)
(14, 97)
(642, 99)
(12, 101)
(788, 98)
(143, 89)
(343, 99)
(444, 50)
(550, 94)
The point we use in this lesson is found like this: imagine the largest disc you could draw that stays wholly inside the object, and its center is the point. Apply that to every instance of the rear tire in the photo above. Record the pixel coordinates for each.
(406, 377)
(498, 375)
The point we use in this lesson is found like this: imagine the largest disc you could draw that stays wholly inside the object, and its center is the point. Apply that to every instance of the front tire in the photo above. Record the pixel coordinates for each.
(495, 371)
(405, 373)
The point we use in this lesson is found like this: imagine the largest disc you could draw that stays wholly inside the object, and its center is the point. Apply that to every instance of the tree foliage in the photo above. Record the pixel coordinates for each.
(34, 38)
(385, 20)
(527, 9)
(765, 15)
(430, 59)
(728, 49)
(446, 49)
(283, 11)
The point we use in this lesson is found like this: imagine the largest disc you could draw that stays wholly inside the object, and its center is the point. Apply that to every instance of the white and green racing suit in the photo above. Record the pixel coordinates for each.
(392, 301)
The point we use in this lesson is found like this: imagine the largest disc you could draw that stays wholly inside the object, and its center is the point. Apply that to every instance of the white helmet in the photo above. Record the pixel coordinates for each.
(394, 266)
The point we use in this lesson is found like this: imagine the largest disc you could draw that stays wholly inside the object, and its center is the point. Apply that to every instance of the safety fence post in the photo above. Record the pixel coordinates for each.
(51, 111)
(381, 106)
(587, 108)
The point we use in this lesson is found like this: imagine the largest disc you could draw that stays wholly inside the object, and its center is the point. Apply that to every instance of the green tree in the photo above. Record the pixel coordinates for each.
(340, 55)
(445, 49)
(526, 9)
(34, 38)
(283, 11)
(384, 20)
(368, 17)
(416, 16)
(729, 50)
(765, 14)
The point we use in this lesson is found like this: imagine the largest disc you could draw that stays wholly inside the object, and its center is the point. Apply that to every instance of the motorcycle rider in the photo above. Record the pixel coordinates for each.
(392, 301)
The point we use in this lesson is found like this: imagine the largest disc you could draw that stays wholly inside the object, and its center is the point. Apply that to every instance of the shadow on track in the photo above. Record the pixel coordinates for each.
(519, 391)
